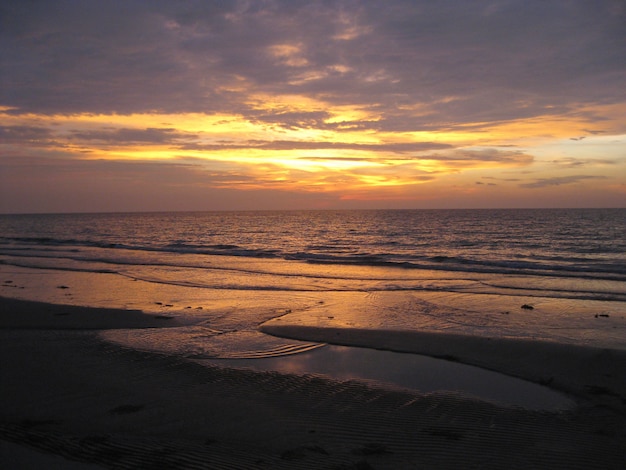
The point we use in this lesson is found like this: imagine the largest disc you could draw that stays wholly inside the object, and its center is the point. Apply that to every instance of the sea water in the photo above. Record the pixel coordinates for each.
(435, 262)
(546, 275)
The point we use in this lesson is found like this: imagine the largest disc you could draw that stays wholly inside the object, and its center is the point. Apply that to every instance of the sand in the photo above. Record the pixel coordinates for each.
(69, 397)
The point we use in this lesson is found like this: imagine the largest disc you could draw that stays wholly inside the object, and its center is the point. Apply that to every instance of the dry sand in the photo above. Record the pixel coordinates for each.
(67, 394)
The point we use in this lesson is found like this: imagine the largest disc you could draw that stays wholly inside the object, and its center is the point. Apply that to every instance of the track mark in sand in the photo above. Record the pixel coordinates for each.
(94, 440)
(126, 409)
(372, 448)
(450, 434)
(360, 465)
(35, 423)
(301, 452)
(141, 452)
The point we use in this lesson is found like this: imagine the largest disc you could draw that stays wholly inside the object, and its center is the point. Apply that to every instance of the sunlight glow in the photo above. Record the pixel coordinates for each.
(319, 148)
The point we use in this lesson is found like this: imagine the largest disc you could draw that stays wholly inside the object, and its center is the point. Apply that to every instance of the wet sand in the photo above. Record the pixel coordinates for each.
(66, 393)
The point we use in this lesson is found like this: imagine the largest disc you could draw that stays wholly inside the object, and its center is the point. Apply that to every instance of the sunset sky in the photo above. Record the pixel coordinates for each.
(220, 105)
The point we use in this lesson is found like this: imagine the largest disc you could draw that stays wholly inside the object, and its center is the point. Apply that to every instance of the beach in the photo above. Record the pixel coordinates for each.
(313, 340)
(67, 392)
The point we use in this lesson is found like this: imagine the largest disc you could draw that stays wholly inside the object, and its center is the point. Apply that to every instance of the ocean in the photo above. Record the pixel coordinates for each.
(537, 275)
(582, 250)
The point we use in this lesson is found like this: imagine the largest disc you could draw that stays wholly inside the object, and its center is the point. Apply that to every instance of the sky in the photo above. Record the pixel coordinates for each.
(167, 105)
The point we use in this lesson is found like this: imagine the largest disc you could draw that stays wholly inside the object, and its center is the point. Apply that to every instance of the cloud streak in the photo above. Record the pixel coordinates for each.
(560, 181)
(400, 148)
(131, 136)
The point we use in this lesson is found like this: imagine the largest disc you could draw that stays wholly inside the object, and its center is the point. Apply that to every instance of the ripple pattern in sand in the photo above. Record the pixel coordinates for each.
(171, 413)
(200, 342)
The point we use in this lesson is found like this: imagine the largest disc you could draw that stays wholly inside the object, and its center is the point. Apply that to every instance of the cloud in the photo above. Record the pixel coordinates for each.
(560, 181)
(456, 62)
(293, 120)
(39, 184)
(109, 175)
(575, 162)
(131, 136)
(39, 136)
(392, 147)
(31, 135)
(495, 157)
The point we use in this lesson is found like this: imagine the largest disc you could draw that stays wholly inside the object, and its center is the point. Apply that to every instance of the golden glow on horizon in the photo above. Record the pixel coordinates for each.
(237, 153)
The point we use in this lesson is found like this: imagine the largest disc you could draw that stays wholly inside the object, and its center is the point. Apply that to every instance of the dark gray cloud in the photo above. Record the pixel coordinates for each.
(31, 135)
(132, 136)
(582, 162)
(560, 181)
(394, 147)
(459, 61)
(38, 135)
(462, 158)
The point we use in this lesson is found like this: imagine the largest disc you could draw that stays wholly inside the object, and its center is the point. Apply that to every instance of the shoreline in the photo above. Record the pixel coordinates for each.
(31, 314)
(66, 391)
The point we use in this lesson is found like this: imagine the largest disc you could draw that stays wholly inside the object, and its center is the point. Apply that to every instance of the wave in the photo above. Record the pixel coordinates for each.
(187, 248)
(111, 252)
(219, 249)
(568, 267)
(234, 278)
